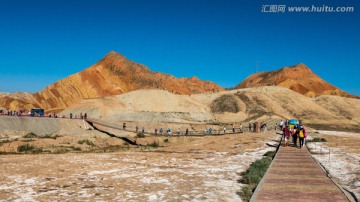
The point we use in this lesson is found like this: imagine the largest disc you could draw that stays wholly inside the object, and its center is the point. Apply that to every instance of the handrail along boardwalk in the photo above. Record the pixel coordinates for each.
(295, 176)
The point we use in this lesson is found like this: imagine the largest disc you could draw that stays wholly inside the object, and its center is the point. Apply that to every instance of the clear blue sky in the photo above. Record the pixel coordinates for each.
(42, 41)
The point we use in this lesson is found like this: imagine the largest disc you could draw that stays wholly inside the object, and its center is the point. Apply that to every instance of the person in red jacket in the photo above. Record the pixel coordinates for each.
(286, 132)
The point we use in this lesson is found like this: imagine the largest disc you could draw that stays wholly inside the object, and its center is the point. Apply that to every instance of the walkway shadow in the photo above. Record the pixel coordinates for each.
(272, 145)
(110, 134)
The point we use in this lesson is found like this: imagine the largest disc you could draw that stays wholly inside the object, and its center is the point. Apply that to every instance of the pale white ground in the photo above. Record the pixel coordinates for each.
(340, 156)
(126, 176)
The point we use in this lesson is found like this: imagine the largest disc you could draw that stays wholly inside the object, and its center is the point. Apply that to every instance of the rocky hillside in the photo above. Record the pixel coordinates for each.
(112, 75)
(298, 78)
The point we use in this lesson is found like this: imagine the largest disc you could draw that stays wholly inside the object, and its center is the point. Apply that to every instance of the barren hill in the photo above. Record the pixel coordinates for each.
(298, 78)
(112, 75)
(240, 106)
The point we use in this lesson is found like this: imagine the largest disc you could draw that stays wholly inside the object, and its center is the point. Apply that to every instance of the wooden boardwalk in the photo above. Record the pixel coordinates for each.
(295, 176)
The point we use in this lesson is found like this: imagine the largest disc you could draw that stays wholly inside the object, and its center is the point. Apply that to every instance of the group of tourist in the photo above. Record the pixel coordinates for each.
(256, 127)
(209, 131)
(12, 113)
(295, 132)
(78, 116)
(186, 132)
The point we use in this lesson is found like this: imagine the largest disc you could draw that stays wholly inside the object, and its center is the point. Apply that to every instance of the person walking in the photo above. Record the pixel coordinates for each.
(305, 134)
(286, 133)
(233, 128)
(179, 131)
(301, 134)
(265, 128)
(210, 130)
(294, 136)
(224, 129)
(186, 132)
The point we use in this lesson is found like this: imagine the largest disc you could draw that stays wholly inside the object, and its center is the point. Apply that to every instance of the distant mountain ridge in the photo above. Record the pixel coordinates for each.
(298, 78)
(112, 75)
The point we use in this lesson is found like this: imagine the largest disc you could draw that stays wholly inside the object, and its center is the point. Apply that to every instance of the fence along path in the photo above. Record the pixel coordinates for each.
(174, 132)
(295, 176)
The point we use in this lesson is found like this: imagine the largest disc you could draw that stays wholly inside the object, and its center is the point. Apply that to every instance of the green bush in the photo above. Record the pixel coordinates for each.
(166, 140)
(252, 176)
(270, 154)
(246, 193)
(25, 148)
(30, 135)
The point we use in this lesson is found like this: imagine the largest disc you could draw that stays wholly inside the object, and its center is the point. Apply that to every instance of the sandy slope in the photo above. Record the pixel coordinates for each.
(43, 126)
(240, 106)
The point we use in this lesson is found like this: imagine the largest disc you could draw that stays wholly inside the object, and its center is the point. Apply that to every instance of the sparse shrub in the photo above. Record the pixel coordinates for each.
(4, 141)
(317, 139)
(30, 135)
(252, 177)
(166, 140)
(25, 148)
(140, 135)
(77, 148)
(88, 142)
(50, 136)
(270, 154)
(153, 144)
(246, 193)
(37, 150)
(60, 150)
(28, 148)
(27, 140)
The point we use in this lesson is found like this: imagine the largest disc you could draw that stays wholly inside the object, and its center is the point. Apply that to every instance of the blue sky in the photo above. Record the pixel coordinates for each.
(220, 40)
